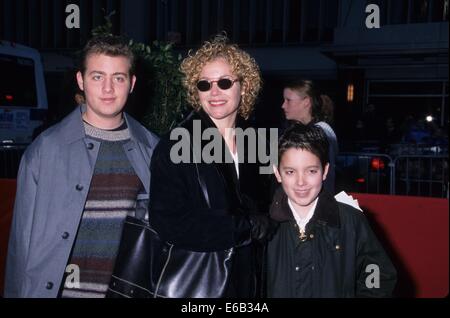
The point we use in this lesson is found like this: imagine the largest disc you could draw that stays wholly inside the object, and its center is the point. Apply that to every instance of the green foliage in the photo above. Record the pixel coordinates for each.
(159, 93)
(105, 29)
(166, 93)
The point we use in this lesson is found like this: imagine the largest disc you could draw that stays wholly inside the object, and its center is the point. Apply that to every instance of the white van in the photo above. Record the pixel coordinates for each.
(23, 98)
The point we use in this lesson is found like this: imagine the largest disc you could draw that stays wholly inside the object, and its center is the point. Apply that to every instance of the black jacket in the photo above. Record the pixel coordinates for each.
(180, 214)
(342, 253)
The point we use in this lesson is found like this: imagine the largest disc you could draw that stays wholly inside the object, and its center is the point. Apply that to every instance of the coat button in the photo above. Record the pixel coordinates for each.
(311, 235)
(90, 146)
(297, 268)
(49, 285)
(79, 187)
(338, 247)
(65, 235)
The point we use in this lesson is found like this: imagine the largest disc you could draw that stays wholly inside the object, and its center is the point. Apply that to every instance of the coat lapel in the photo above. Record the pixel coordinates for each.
(225, 169)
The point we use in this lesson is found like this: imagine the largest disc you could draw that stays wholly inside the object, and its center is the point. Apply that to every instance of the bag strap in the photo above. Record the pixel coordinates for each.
(142, 211)
(202, 185)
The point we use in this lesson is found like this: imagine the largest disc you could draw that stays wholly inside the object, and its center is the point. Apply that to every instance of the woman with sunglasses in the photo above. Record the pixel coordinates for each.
(211, 207)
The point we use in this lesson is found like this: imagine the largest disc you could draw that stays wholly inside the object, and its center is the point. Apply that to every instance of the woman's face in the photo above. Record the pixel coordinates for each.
(220, 104)
(296, 106)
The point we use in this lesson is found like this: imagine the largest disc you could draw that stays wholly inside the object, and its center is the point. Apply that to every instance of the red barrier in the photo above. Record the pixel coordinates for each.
(7, 196)
(414, 231)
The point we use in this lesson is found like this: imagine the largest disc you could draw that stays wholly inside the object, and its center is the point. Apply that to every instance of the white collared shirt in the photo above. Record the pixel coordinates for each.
(301, 222)
(236, 162)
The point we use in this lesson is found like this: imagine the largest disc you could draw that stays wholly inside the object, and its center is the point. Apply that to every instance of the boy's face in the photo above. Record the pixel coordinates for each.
(301, 174)
(106, 84)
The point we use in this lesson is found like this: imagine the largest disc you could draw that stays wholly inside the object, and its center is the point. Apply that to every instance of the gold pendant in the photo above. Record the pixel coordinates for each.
(302, 236)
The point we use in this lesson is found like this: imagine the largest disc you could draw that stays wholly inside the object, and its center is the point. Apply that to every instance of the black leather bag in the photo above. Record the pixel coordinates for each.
(147, 267)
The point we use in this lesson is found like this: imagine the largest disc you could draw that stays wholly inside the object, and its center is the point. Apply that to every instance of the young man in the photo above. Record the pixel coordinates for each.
(77, 182)
(323, 248)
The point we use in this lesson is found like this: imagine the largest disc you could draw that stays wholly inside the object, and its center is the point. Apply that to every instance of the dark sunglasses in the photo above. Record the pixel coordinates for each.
(223, 83)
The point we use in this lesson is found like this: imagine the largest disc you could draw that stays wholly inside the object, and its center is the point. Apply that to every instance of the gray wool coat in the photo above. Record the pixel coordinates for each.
(52, 185)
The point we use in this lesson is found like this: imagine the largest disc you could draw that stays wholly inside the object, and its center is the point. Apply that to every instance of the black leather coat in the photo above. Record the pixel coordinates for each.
(179, 213)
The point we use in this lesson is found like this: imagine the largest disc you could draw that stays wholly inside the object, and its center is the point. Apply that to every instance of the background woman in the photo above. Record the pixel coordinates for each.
(303, 103)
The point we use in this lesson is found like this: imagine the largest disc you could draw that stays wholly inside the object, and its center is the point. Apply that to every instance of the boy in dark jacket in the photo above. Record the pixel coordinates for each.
(323, 248)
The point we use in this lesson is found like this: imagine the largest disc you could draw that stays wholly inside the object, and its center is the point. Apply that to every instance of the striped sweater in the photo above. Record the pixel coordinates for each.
(112, 195)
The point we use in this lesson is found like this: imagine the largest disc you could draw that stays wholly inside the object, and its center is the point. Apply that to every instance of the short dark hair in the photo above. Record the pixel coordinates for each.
(306, 137)
(109, 45)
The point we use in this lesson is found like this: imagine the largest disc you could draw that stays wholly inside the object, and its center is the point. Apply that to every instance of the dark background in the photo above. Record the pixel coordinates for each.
(400, 68)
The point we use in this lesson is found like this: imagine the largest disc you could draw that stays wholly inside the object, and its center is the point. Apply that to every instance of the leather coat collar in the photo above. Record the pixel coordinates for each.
(326, 213)
(227, 170)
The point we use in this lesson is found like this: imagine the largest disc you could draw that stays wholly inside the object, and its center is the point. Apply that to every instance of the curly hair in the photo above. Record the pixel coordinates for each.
(242, 65)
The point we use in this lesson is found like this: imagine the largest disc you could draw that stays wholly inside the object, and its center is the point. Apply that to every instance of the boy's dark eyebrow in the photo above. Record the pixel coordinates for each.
(103, 73)
(98, 72)
(288, 168)
(308, 167)
(120, 73)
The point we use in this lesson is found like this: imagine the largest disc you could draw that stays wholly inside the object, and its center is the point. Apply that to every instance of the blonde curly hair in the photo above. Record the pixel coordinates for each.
(242, 65)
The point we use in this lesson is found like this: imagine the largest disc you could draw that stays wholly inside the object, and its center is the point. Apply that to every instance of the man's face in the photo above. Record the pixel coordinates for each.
(296, 107)
(301, 174)
(106, 84)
